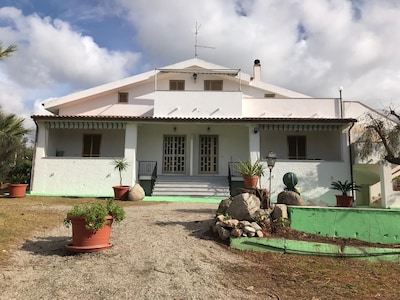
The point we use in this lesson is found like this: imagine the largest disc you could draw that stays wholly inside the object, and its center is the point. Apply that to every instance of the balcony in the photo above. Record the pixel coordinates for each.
(198, 104)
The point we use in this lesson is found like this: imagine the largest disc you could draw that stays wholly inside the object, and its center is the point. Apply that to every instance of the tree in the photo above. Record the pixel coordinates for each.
(6, 52)
(382, 134)
(12, 143)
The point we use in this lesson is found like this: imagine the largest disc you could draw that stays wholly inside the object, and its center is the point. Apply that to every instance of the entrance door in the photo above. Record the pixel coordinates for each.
(208, 159)
(174, 154)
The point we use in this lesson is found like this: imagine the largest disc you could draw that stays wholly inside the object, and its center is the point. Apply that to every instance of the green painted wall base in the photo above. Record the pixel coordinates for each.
(366, 224)
(316, 249)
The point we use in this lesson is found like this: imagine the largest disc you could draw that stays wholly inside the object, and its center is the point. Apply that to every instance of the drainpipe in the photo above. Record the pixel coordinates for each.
(351, 156)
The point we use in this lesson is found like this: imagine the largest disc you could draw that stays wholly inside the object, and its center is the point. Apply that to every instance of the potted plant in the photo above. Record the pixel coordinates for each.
(19, 177)
(250, 172)
(344, 200)
(121, 191)
(91, 225)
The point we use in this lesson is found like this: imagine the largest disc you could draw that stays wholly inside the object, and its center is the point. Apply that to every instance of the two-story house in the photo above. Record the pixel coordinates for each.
(190, 121)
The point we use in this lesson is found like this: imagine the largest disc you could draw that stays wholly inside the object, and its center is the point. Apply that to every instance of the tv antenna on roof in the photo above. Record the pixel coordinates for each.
(195, 42)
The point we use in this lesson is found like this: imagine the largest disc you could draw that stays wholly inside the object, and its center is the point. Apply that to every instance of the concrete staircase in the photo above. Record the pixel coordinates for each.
(200, 186)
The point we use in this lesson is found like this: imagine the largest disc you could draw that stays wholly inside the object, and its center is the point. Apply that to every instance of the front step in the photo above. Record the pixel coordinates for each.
(216, 186)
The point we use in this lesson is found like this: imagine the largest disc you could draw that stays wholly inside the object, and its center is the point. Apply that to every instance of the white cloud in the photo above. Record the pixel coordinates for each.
(50, 54)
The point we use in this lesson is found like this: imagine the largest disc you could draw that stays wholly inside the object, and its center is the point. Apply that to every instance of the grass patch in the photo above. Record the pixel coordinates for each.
(20, 218)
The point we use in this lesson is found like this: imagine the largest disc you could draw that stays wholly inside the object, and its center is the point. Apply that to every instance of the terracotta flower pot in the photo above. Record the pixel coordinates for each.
(85, 240)
(121, 192)
(250, 181)
(17, 190)
(344, 201)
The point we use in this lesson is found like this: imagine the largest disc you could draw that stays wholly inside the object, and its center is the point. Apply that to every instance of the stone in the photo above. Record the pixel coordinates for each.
(232, 223)
(251, 234)
(244, 223)
(249, 229)
(223, 233)
(259, 234)
(290, 198)
(280, 211)
(220, 218)
(223, 206)
(136, 193)
(236, 232)
(255, 226)
(244, 207)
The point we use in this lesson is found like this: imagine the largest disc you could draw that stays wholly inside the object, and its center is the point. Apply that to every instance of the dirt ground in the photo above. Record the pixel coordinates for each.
(167, 251)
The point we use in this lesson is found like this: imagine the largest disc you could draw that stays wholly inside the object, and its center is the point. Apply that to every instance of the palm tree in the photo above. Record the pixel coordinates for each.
(6, 52)
(12, 133)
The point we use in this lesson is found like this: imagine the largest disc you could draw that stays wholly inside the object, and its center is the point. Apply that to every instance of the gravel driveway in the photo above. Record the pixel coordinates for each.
(159, 252)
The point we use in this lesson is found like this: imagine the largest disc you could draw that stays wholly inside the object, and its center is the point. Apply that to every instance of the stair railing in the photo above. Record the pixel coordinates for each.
(148, 171)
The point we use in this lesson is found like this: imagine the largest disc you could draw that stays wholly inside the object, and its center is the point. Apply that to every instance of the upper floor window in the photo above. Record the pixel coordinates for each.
(122, 97)
(177, 85)
(297, 147)
(91, 145)
(213, 85)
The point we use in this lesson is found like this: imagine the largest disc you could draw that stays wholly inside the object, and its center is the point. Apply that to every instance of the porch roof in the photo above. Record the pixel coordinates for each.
(258, 120)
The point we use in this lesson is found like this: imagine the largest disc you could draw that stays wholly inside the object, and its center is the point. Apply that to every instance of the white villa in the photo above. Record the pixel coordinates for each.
(190, 123)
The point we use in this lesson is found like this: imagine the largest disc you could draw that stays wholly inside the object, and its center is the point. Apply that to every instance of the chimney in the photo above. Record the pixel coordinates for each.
(257, 70)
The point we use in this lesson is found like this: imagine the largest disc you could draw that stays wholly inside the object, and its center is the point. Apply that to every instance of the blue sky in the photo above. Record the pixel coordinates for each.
(309, 46)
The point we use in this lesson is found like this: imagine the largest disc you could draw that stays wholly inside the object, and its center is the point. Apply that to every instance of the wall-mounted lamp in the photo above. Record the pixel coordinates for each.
(174, 128)
(208, 129)
(255, 130)
(194, 77)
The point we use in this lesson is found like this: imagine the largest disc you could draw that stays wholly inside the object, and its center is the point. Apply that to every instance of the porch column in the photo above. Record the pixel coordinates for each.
(254, 143)
(39, 182)
(130, 151)
(387, 194)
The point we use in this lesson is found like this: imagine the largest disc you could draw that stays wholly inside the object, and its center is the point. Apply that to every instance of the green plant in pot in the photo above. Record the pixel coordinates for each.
(344, 200)
(91, 225)
(18, 179)
(121, 191)
(250, 172)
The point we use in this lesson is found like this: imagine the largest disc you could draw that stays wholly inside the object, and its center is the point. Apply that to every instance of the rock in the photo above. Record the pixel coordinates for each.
(223, 206)
(223, 233)
(236, 232)
(249, 229)
(290, 198)
(244, 223)
(136, 193)
(259, 233)
(244, 207)
(232, 223)
(280, 211)
(255, 226)
(220, 218)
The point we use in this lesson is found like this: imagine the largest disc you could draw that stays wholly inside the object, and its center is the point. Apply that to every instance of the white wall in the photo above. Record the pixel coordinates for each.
(197, 104)
(70, 141)
(291, 108)
(321, 145)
